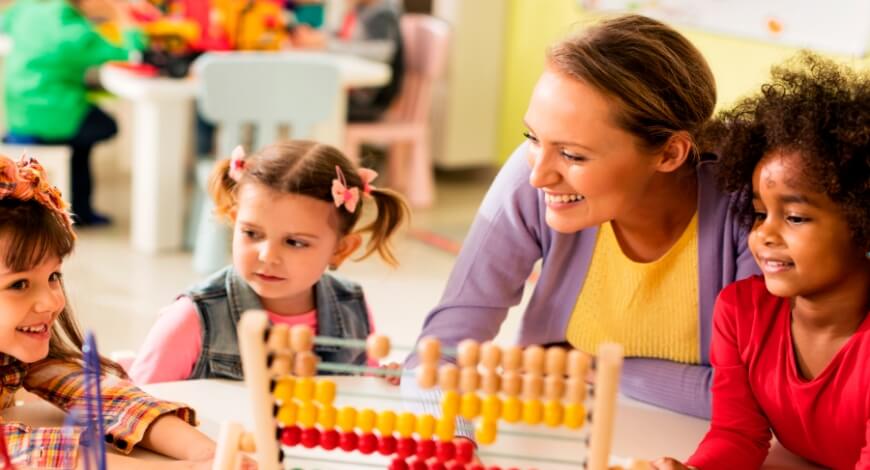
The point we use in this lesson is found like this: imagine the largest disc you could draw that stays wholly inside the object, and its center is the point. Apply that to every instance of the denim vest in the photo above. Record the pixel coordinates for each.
(222, 298)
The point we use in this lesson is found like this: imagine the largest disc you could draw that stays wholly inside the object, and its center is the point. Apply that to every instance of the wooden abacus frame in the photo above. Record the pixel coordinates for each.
(255, 340)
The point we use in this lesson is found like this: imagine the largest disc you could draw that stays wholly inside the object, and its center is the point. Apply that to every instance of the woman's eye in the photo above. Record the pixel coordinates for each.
(573, 157)
(530, 137)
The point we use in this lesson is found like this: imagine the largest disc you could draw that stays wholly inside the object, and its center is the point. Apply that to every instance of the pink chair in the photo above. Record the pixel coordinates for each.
(426, 42)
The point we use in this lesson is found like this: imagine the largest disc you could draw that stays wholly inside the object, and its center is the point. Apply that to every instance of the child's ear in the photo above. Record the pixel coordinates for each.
(675, 152)
(347, 245)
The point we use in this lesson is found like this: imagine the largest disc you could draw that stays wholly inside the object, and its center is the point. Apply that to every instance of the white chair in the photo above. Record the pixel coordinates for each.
(54, 158)
(269, 91)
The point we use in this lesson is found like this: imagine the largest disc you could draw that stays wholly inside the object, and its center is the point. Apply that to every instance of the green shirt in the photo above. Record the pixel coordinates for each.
(53, 45)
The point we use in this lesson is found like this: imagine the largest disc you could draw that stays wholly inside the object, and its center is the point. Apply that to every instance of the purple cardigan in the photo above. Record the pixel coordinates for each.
(509, 235)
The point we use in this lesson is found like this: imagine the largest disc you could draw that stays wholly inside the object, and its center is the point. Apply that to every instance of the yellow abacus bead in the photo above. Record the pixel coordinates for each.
(284, 389)
(325, 392)
(305, 389)
(426, 426)
(470, 408)
(450, 403)
(287, 414)
(386, 422)
(406, 424)
(491, 408)
(307, 415)
(553, 413)
(486, 432)
(512, 409)
(366, 420)
(326, 417)
(533, 411)
(445, 429)
(575, 415)
(347, 419)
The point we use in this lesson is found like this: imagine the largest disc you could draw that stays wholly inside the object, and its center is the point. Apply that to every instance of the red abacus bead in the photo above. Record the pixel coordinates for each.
(436, 466)
(493, 467)
(310, 438)
(348, 441)
(464, 451)
(398, 464)
(456, 466)
(290, 436)
(406, 447)
(425, 449)
(386, 445)
(445, 451)
(477, 467)
(368, 443)
(417, 464)
(329, 439)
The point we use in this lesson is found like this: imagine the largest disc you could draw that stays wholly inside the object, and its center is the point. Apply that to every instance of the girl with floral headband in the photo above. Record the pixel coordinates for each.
(294, 207)
(41, 345)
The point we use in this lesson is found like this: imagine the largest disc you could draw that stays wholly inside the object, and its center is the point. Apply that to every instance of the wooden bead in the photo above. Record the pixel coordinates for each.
(305, 389)
(306, 364)
(347, 419)
(377, 346)
(427, 375)
(247, 443)
(468, 353)
(426, 426)
(512, 358)
(491, 408)
(366, 419)
(279, 338)
(490, 381)
(307, 415)
(324, 391)
(429, 349)
(533, 386)
(575, 415)
(485, 432)
(450, 403)
(386, 422)
(470, 405)
(512, 409)
(533, 411)
(326, 417)
(533, 359)
(301, 338)
(578, 363)
(554, 387)
(445, 429)
(448, 377)
(512, 383)
(284, 389)
(553, 413)
(406, 424)
(469, 379)
(490, 355)
(555, 360)
(282, 363)
(575, 390)
(287, 414)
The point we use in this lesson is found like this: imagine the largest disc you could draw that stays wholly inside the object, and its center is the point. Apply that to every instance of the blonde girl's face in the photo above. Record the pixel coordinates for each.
(282, 244)
(30, 302)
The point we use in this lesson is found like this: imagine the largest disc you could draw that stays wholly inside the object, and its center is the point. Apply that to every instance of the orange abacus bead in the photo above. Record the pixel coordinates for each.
(366, 420)
(490, 355)
(553, 413)
(426, 426)
(326, 417)
(491, 409)
(533, 360)
(490, 381)
(533, 386)
(450, 403)
(279, 338)
(554, 387)
(324, 391)
(512, 383)
(427, 375)
(470, 406)
(467, 353)
(533, 411)
(347, 419)
(448, 377)
(575, 390)
(485, 432)
(512, 409)
(306, 364)
(386, 422)
(301, 338)
(377, 346)
(575, 415)
(555, 360)
(284, 389)
(281, 363)
(406, 424)
(512, 358)
(429, 350)
(578, 363)
(469, 379)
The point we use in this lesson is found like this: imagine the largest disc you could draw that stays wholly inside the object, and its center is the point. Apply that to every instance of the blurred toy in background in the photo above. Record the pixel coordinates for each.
(307, 12)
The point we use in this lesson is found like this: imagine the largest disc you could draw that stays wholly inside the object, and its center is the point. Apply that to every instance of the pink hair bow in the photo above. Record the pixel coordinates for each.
(237, 163)
(349, 197)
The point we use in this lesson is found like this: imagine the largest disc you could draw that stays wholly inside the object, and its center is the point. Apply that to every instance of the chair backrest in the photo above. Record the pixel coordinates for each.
(268, 90)
(426, 41)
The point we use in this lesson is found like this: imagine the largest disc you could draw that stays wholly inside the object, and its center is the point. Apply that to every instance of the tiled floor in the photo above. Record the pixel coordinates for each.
(118, 293)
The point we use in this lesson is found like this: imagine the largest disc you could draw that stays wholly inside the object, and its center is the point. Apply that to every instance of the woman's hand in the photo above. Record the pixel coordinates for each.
(667, 463)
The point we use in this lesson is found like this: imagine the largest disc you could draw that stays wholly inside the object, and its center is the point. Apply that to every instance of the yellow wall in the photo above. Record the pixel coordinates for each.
(740, 65)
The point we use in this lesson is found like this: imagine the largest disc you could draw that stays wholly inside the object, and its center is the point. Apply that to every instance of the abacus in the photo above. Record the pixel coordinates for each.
(534, 386)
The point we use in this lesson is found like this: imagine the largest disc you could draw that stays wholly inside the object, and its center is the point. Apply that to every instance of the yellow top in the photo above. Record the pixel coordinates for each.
(650, 308)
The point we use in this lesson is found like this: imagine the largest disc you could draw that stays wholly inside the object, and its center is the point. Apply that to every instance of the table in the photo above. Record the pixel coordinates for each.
(641, 431)
(162, 111)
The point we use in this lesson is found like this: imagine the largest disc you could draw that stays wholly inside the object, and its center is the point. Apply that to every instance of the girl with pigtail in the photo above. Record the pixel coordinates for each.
(294, 207)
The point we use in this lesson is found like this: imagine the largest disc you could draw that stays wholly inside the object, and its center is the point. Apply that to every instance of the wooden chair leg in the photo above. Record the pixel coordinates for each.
(421, 189)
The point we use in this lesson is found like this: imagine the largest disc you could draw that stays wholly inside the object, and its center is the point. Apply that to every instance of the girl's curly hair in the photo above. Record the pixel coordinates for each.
(816, 109)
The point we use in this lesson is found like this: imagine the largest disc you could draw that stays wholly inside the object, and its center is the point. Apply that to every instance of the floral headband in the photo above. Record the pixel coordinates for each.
(27, 180)
(349, 197)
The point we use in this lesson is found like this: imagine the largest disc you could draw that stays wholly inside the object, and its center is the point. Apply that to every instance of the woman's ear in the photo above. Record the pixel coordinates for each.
(675, 152)
(346, 246)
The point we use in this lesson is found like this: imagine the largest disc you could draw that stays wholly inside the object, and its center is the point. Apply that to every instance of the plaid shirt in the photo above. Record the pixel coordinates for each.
(127, 411)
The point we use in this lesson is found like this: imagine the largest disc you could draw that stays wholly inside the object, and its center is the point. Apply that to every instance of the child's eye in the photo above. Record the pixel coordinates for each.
(758, 216)
(20, 285)
(55, 277)
(249, 234)
(796, 219)
(296, 243)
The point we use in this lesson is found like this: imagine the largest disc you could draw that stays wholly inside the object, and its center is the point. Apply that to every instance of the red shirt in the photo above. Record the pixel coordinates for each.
(757, 388)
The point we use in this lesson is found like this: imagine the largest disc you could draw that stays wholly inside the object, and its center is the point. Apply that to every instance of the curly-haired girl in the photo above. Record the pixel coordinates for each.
(790, 349)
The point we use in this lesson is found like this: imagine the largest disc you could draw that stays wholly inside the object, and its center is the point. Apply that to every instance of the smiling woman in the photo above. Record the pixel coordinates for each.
(612, 193)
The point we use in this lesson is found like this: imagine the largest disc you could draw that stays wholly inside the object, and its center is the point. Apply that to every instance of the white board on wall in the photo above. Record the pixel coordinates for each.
(837, 26)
